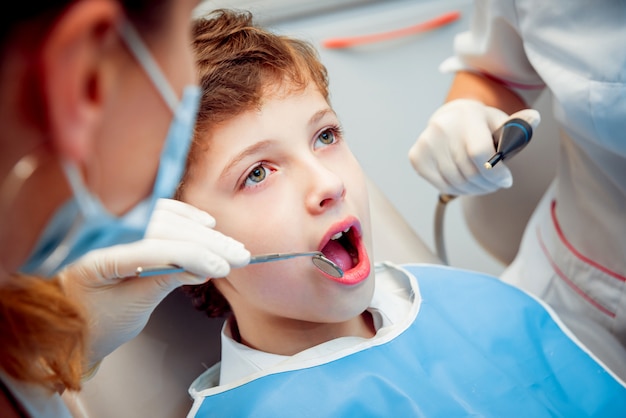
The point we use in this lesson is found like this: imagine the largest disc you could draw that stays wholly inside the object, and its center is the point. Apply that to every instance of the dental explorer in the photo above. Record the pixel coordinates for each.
(509, 139)
(318, 259)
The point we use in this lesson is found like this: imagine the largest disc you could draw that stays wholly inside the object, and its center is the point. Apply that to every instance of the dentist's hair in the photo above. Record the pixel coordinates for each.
(35, 17)
(240, 65)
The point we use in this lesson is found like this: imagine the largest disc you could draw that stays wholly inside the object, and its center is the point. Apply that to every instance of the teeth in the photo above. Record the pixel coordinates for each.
(339, 234)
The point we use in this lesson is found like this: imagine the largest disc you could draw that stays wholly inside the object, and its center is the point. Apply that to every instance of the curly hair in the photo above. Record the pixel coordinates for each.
(240, 64)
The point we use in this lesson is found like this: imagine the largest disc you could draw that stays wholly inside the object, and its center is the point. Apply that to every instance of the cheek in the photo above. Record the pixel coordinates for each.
(263, 227)
(279, 287)
(351, 172)
(356, 187)
(231, 218)
(251, 230)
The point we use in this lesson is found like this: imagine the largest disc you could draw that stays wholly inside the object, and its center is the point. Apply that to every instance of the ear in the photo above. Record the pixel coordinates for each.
(75, 67)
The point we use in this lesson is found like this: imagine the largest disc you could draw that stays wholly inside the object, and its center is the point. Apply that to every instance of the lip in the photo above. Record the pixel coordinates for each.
(359, 272)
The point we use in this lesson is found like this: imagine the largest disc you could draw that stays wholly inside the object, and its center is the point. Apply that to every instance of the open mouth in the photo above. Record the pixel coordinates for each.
(342, 249)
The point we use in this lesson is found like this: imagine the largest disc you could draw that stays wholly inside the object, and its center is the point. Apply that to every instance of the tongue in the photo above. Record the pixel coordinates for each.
(338, 255)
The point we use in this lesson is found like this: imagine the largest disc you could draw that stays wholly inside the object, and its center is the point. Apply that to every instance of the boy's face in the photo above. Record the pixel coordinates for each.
(282, 179)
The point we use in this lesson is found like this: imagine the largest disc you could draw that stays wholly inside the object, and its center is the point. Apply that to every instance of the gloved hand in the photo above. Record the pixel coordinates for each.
(451, 151)
(118, 303)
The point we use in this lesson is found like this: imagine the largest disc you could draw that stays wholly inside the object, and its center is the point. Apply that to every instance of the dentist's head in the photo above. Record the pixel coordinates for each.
(102, 128)
(97, 107)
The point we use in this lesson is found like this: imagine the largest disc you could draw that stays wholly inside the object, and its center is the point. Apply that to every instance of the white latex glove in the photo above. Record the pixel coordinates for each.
(118, 303)
(451, 152)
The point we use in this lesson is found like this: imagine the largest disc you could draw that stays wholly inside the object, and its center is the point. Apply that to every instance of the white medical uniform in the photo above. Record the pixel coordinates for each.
(573, 253)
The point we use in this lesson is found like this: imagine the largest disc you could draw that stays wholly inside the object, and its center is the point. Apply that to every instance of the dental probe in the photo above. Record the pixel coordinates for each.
(318, 259)
(509, 139)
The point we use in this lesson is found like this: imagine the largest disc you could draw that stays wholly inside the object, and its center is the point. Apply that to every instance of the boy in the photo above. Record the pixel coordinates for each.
(270, 163)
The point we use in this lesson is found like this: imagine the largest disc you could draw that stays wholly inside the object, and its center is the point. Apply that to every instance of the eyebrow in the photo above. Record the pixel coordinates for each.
(252, 149)
(262, 145)
(320, 114)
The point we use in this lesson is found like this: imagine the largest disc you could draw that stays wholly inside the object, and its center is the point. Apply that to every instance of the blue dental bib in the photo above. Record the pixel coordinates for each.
(476, 347)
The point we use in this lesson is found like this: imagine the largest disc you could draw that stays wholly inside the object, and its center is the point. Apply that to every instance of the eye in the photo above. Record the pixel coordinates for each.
(255, 176)
(327, 137)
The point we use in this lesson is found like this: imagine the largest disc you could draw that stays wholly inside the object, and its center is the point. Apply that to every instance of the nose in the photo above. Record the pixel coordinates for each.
(326, 190)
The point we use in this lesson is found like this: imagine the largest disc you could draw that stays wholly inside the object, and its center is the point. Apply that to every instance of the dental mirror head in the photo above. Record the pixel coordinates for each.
(327, 266)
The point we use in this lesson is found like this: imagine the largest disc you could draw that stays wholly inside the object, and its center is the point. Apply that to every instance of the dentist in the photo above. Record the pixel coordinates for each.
(97, 106)
(573, 251)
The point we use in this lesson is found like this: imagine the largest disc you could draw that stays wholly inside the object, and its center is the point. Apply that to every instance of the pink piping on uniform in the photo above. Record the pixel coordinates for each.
(577, 254)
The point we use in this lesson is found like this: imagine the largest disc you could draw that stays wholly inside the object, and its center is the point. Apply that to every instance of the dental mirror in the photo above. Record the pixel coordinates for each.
(318, 259)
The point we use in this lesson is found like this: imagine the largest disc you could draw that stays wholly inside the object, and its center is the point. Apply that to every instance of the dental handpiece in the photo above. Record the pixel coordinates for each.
(513, 135)
(318, 259)
(509, 139)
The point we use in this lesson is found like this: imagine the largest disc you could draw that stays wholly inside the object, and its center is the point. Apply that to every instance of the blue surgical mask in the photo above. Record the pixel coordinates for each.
(83, 223)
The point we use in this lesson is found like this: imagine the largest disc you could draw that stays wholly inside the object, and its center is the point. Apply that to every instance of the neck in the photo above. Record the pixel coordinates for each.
(288, 337)
(32, 188)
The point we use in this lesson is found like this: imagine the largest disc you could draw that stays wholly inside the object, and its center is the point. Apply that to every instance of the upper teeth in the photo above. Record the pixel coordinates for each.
(339, 234)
